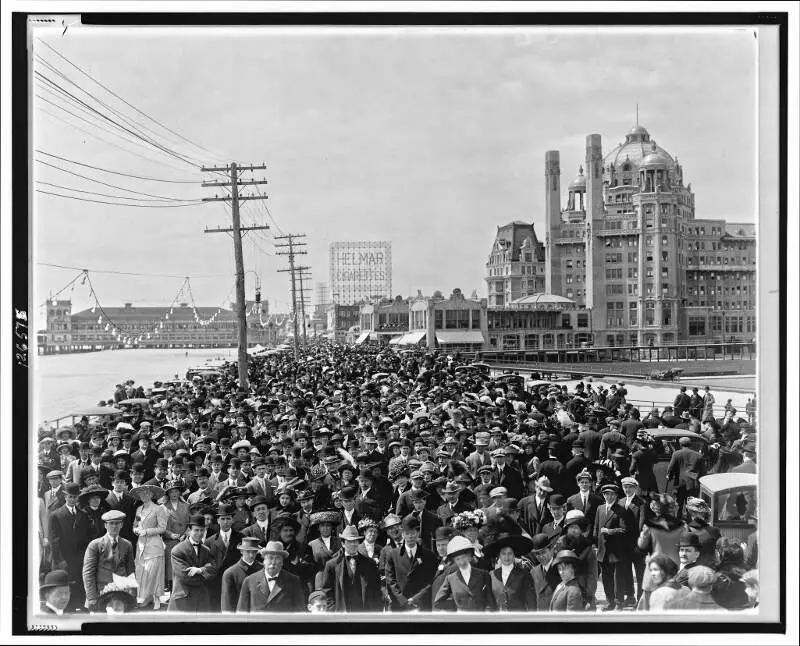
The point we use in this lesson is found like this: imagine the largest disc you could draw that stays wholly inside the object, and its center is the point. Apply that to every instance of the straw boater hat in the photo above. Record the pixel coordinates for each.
(350, 533)
(156, 491)
(249, 544)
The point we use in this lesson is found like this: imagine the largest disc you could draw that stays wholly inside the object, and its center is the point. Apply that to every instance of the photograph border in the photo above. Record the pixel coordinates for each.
(22, 274)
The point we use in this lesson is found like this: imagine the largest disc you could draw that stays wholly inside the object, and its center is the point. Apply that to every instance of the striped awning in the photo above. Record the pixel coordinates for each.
(459, 337)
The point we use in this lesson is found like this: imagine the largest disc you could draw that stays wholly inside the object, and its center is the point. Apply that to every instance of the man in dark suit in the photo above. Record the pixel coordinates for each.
(585, 500)
(453, 505)
(533, 509)
(350, 515)
(223, 548)
(145, 455)
(410, 569)
(54, 496)
(65, 543)
(272, 589)
(262, 528)
(233, 577)
(106, 556)
(119, 500)
(544, 574)
(193, 566)
(260, 485)
(591, 442)
(574, 466)
(685, 469)
(55, 591)
(638, 507)
(613, 528)
(551, 468)
(428, 522)
(507, 476)
(350, 580)
(557, 505)
(681, 402)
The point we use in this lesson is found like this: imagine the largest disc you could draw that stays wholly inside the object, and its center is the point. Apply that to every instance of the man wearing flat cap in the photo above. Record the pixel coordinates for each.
(106, 556)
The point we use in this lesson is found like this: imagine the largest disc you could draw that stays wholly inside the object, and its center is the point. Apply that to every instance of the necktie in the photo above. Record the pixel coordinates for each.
(196, 547)
(225, 540)
(115, 551)
(351, 562)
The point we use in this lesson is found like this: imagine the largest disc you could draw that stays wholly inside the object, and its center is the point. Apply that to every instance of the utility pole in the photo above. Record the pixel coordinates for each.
(292, 250)
(234, 183)
(303, 274)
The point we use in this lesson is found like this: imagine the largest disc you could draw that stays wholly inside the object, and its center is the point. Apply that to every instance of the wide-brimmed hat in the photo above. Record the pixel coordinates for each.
(275, 548)
(332, 516)
(93, 490)
(566, 556)
(459, 545)
(520, 544)
(112, 591)
(697, 505)
(174, 484)
(391, 520)
(451, 488)
(55, 579)
(156, 491)
(498, 492)
(544, 484)
(256, 501)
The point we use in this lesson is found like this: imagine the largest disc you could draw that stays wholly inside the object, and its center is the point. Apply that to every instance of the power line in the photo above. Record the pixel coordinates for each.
(130, 273)
(144, 114)
(99, 126)
(138, 206)
(120, 197)
(106, 170)
(121, 188)
(136, 134)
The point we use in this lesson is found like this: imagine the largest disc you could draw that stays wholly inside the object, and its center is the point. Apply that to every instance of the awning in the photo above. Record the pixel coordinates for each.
(373, 336)
(362, 337)
(396, 340)
(461, 337)
(412, 338)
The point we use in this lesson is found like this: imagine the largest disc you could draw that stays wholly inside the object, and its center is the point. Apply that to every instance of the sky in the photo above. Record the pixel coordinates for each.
(428, 138)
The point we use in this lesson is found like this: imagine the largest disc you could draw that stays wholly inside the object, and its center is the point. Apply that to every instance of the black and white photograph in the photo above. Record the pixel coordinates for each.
(407, 324)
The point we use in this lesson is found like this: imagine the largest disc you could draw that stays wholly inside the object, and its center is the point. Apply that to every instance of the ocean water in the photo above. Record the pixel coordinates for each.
(64, 383)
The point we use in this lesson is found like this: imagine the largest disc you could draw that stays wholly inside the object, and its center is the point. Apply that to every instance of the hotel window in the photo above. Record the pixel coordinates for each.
(583, 320)
(633, 256)
(633, 289)
(666, 314)
(697, 326)
(633, 272)
(650, 313)
(568, 264)
(633, 313)
(649, 241)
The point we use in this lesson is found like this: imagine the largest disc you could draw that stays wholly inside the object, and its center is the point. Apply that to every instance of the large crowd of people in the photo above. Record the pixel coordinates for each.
(362, 479)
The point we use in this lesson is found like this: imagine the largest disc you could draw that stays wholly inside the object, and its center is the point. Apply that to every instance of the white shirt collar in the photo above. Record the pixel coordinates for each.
(58, 611)
(326, 541)
(262, 523)
(466, 573)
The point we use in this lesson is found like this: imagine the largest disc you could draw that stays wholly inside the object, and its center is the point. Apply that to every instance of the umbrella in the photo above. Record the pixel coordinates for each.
(141, 401)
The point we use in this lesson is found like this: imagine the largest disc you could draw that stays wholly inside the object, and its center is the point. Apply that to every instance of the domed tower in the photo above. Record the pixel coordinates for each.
(577, 192)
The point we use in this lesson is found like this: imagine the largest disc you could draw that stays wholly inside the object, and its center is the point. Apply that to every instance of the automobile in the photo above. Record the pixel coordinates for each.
(733, 499)
(666, 443)
(511, 380)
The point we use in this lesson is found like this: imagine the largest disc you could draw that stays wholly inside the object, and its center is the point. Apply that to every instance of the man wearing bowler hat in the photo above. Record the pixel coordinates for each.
(193, 566)
(223, 547)
(65, 542)
(55, 592)
(106, 556)
(428, 521)
(234, 576)
(272, 589)
(350, 580)
(613, 528)
(410, 569)
(534, 513)
(261, 528)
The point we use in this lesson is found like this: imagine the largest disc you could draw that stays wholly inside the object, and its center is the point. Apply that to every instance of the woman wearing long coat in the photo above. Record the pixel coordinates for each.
(177, 521)
(660, 534)
(149, 525)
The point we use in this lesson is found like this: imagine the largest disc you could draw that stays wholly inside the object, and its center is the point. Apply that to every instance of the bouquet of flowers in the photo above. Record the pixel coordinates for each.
(466, 519)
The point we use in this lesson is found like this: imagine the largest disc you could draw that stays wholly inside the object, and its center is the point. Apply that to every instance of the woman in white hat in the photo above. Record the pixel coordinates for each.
(149, 525)
(468, 588)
